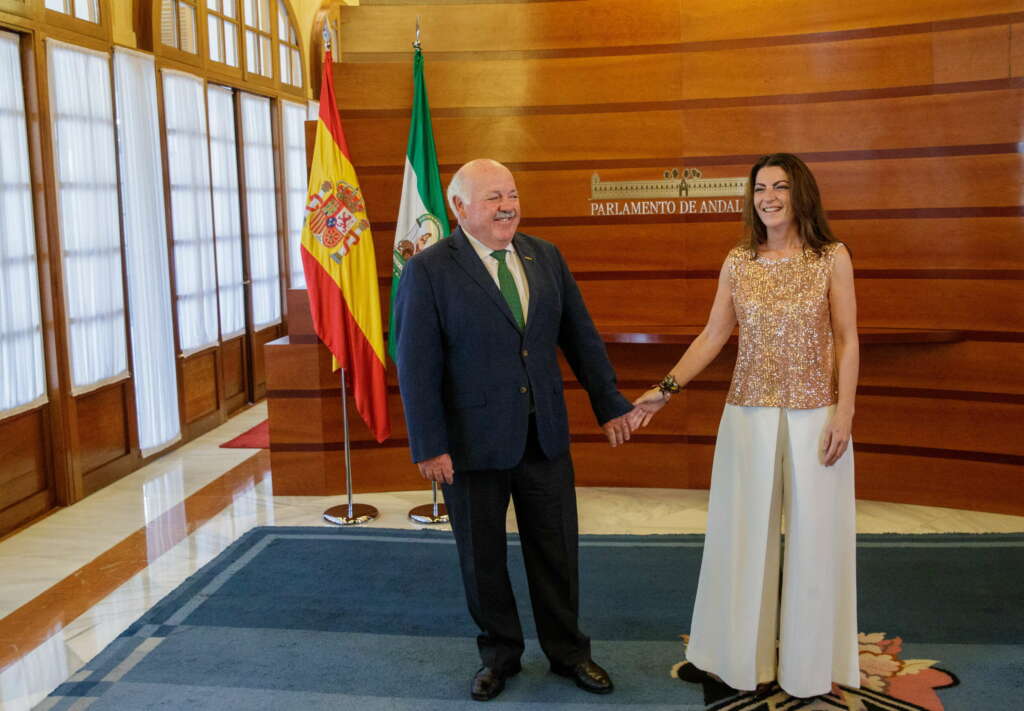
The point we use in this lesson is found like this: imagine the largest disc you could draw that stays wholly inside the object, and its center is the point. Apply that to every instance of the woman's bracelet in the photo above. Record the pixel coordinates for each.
(668, 386)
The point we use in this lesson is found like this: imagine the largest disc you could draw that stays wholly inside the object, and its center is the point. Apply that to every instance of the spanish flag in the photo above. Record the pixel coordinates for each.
(340, 267)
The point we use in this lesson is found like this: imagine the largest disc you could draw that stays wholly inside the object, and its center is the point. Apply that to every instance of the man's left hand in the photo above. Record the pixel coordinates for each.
(617, 430)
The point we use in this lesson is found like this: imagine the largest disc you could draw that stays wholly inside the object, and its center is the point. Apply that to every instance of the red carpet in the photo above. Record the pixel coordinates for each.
(256, 438)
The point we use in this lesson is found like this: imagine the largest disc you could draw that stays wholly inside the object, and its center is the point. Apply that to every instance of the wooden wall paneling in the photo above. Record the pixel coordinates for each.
(511, 27)
(872, 123)
(708, 20)
(970, 366)
(106, 436)
(515, 138)
(1017, 49)
(18, 12)
(26, 490)
(969, 304)
(972, 54)
(587, 132)
(967, 55)
(964, 484)
(234, 378)
(199, 382)
(525, 82)
(258, 373)
(663, 301)
(865, 187)
(670, 465)
(935, 243)
(987, 427)
(24, 511)
(306, 429)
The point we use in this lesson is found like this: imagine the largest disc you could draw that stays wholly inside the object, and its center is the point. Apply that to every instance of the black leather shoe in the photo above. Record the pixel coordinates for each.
(588, 675)
(488, 682)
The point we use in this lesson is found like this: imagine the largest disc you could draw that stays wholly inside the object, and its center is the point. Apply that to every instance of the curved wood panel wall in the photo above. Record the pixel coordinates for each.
(908, 112)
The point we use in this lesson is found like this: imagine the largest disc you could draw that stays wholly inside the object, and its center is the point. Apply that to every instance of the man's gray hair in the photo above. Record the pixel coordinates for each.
(456, 189)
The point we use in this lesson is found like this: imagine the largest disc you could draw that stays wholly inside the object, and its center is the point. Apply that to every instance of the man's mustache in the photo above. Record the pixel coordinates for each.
(504, 214)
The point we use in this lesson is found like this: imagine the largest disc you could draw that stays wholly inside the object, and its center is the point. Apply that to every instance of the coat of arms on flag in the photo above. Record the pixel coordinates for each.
(333, 217)
(426, 231)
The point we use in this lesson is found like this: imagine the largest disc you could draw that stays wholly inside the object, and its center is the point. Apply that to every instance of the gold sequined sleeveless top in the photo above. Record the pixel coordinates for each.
(786, 354)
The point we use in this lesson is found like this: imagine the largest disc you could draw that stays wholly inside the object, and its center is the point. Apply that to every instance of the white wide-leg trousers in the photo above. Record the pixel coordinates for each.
(767, 466)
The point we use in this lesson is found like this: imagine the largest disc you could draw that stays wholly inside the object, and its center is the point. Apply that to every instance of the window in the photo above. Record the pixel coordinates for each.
(288, 47)
(261, 210)
(296, 181)
(222, 23)
(258, 57)
(231, 39)
(87, 10)
(226, 210)
(21, 340)
(178, 25)
(191, 213)
(85, 166)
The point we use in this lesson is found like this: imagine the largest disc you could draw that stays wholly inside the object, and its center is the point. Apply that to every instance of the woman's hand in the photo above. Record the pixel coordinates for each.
(648, 404)
(837, 438)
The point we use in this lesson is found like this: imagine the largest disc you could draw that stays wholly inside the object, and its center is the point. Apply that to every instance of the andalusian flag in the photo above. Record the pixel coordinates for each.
(422, 219)
(341, 271)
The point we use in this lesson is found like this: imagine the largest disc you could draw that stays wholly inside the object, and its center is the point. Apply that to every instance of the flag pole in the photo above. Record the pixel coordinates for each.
(351, 514)
(433, 513)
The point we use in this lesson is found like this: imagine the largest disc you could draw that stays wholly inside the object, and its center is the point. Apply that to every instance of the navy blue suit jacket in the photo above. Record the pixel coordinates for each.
(465, 369)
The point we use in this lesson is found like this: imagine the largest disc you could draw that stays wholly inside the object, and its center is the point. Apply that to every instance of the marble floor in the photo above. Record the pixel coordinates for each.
(72, 582)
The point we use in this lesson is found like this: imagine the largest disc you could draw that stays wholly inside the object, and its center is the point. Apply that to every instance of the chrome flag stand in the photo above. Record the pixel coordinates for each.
(350, 514)
(429, 513)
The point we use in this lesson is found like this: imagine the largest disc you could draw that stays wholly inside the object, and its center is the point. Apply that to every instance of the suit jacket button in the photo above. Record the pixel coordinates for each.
(525, 353)
(522, 389)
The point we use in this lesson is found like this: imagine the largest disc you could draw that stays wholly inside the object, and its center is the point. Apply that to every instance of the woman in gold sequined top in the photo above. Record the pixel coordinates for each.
(783, 450)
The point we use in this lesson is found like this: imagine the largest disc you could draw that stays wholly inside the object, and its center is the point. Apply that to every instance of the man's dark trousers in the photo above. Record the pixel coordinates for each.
(544, 496)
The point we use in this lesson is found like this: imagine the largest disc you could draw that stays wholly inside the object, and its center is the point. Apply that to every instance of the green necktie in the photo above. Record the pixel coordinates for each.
(508, 287)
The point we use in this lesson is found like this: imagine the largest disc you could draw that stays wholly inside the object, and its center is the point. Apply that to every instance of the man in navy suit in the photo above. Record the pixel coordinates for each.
(479, 319)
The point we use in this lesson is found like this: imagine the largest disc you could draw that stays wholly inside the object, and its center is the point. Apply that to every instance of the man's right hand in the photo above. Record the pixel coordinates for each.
(437, 469)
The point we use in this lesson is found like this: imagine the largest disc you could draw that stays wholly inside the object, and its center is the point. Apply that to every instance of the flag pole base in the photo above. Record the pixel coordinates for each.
(361, 513)
(425, 514)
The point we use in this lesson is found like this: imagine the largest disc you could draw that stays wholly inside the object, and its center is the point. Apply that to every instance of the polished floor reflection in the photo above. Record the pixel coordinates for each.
(75, 580)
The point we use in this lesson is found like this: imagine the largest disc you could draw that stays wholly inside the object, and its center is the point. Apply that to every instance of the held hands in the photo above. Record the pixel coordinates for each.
(647, 405)
(617, 430)
(437, 469)
(837, 438)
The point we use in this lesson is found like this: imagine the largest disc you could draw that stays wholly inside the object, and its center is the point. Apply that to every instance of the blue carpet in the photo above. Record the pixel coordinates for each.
(375, 619)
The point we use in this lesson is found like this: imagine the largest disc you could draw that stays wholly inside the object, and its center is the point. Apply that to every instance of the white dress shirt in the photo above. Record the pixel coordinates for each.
(515, 266)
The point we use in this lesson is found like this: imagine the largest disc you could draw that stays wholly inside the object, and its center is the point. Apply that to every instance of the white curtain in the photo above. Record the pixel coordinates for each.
(191, 213)
(84, 161)
(227, 210)
(21, 341)
(145, 241)
(261, 209)
(296, 181)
